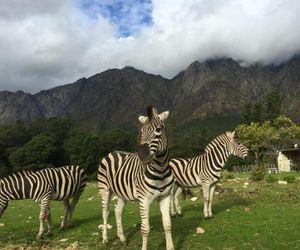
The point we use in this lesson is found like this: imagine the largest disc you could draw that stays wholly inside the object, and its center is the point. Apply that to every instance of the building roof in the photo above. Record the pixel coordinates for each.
(290, 149)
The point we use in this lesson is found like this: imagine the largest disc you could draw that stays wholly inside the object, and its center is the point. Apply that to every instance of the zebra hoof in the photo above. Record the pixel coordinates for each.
(39, 237)
(49, 234)
(207, 218)
(62, 227)
(124, 242)
(105, 243)
(180, 215)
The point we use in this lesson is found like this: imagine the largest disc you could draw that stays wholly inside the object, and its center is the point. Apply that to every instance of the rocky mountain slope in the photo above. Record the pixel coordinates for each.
(115, 97)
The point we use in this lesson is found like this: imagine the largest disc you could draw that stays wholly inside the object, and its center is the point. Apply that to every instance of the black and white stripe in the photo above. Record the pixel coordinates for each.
(59, 184)
(204, 169)
(143, 177)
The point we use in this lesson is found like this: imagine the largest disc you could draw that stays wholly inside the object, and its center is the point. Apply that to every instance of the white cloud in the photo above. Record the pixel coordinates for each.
(53, 43)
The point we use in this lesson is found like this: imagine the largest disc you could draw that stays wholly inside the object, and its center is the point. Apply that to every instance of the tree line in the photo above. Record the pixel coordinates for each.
(56, 142)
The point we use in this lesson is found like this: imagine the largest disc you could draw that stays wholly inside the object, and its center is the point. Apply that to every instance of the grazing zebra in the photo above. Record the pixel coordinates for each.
(204, 169)
(60, 184)
(143, 177)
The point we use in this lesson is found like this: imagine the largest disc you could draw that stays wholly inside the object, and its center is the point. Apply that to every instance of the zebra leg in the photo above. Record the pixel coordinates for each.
(105, 212)
(206, 188)
(72, 206)
(145, 226)
(173, 190)
(176, 200)
(64, 222)
(45, 204)
(49, 223)
(211, 194)
(118, 212)
(165, 211)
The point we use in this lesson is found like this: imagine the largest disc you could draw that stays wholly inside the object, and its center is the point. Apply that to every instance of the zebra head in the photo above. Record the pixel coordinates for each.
(153, 137)
(236, 148)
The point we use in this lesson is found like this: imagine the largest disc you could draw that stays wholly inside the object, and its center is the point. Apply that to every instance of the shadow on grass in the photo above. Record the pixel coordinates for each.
(77, 222)
(193, 217)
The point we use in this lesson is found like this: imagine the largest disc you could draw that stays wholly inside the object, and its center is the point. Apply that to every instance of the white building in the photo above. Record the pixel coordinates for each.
(289, 159)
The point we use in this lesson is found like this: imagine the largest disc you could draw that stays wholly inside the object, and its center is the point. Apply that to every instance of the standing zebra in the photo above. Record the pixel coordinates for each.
(143, 177)
(60, 184)
(204, 169)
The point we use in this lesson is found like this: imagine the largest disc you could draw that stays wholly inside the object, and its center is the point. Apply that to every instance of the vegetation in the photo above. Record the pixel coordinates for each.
(57, 142)
(258, 173)
(269, 136)
(248, 217)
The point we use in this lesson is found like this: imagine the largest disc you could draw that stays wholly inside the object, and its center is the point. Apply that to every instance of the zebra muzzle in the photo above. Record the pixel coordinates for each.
(144, 153)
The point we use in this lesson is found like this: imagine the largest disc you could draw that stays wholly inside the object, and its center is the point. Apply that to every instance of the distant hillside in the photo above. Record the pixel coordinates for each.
(114, 97)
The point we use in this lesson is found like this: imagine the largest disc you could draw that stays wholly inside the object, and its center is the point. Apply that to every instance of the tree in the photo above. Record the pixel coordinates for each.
(83, 148)
(14, 136)
(259, 137)
(253, 112)
(287, 133)
(38, 153)
(116, 139)
(273, 105)
(256, 137)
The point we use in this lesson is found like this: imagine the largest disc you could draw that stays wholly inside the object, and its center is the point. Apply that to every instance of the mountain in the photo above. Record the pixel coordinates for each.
(113, 98)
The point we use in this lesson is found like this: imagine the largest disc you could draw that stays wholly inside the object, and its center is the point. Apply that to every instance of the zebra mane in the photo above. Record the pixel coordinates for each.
(150, 112)
(211, 145)
(22, 172)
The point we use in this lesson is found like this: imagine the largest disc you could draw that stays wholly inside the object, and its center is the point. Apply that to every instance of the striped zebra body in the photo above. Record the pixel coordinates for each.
(204, 170)
(130, 180)
(59, 184)
(144, 177)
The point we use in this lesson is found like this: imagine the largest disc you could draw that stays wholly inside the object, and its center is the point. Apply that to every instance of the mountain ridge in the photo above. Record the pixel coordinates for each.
(115, 97)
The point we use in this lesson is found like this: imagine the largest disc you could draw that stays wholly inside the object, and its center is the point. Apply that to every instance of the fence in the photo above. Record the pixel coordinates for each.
(269, 167)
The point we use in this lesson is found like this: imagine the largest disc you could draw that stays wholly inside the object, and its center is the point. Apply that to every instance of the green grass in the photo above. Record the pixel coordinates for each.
(260, 215)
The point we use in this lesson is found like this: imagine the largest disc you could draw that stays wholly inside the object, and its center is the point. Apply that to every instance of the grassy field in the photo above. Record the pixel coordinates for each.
(260, 215)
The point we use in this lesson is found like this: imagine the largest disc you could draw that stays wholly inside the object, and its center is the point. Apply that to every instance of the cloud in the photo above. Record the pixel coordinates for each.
(52, 42)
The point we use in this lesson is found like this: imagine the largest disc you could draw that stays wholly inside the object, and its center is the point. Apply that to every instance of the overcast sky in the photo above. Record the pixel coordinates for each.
(53, 42)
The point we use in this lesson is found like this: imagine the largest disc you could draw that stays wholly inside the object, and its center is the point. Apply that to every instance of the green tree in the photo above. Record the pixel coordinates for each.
(287, 133)
(83, 148)
(273, 105)
(259, 137)
(116, 139)
(256, 137)
(15, 135)
(38, 153)
(253, 112)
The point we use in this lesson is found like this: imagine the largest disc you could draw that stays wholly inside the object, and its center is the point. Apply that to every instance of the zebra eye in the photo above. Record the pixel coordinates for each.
(158, 130)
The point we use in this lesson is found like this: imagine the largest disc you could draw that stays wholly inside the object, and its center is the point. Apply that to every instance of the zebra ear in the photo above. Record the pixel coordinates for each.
(163, 116)
(230, 135)
(143, 119)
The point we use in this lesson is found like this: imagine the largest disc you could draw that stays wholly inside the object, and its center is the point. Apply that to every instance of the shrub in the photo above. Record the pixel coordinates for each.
(272, 178)
(289, 178)
(258, 173)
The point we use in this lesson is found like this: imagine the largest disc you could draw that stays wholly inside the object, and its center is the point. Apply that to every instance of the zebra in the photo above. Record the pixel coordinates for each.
(143, 176)
(59, 184)
(204, 169)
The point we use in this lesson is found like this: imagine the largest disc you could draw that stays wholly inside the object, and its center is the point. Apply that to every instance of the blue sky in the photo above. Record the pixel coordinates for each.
(128, 16)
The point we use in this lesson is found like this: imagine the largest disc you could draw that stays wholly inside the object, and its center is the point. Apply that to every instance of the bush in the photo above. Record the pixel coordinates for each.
(258, 173)
(272, 178)
(289, 178)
